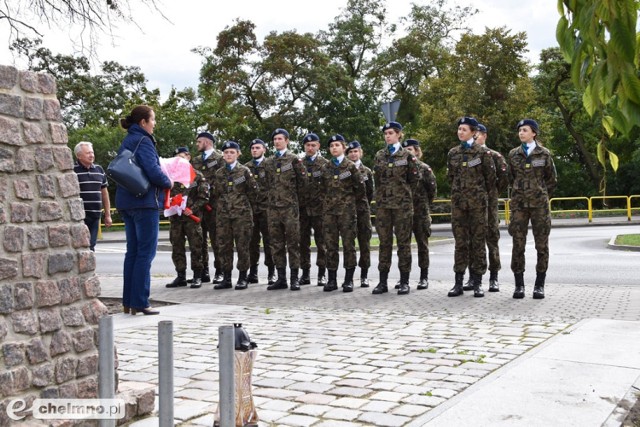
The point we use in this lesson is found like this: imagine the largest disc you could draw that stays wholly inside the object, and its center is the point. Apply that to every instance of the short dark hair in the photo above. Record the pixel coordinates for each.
(139, 113)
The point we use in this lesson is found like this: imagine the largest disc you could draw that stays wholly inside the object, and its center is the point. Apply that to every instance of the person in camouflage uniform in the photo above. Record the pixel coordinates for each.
(422, 199)
(472, 174)
(286, 181)
(208, 162)
(493, 216)
(311, 211)
(532, 176)
(260, 224)
(234, 189)
(363, 210)
(396, 175)
(342, 187)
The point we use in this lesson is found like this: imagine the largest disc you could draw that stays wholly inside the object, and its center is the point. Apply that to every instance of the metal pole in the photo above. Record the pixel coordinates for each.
(165, 373)
(106, 368)
(226, 347)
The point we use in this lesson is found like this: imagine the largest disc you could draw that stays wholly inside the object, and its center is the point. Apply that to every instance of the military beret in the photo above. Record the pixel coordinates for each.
(482, 128)
(230, 144)
(411, 143)
(279, 131)
(392, 125)
(468, 121)
(257, 141)
(352, 145)
(310, 137)
(528, 122)
(207, 135)
(182, 150)
(336, 137)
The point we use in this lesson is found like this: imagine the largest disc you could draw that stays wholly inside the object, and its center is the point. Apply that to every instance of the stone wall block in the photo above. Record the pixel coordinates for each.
(33, 264)
(46, 186)
(8, 268)
(33, 108)
(65, 369)
(69, 185)
(5, 386)
(80, 236)
(23, 189)
(59, 235)
(11, 105)
(50, 320)
(3, 215)
(36, 351)
(87, 388)
(58, 133)
(49, 211)
(76, 208)
(87, 365)
(24, 322)
(23, 296)
(6, 300)
(13, 354)
(83, 340)
(4, 329)
(92, 287)
(70, 290)
(61, 263)
(33, 133)
(60, 343)
(7, 163)
(10, 132)
(42, 375)
(52, 110)
(50, 393)
(8, 77)
(63, 158)
(29, 81)
(68, 391)
(20, 379)
(86, 261)
(44, 158)
(47, 293)
(13, 238)
(21, 212)
(47, 84)
(37, 238)
(72, 316)
(25, 162)
(4, 190)
(93, 311)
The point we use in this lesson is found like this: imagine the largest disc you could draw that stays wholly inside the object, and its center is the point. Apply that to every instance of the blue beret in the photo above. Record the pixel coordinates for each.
(182, 150)
(257, 141)
(411, 143)
(392, 125)
(528, 122)
(310, 137)
(468, 121)
(336, 137)
(230, 144)
(352, 145)
(279, 131)
(207, 135)
(482, 128)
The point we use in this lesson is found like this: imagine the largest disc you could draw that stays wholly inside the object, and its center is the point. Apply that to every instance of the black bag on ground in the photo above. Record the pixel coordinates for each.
(124, 170)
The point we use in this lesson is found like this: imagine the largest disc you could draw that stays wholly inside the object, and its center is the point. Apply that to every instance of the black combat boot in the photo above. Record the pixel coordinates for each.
(322, 280)
(519, 292)
(538, 287)
(364, 281)
(179, 281)
(382, 286)
(404, 283)
(332, 283)
(457, 289)
(218, 277)
(305, 279)
(271, 275)
(253, 274)
(196, 282)
(494, 286)
(347, 286)
(205, 275)
(424, 279)
(468, 286)
(477, 285)
(295, 281)
(243, 281)
(281, 282)
(226, 281)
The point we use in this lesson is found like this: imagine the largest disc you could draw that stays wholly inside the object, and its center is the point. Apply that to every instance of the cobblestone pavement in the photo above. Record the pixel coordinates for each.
(326, 367)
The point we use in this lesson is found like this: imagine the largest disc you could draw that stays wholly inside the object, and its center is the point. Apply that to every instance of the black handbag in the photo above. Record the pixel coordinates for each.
(124, 170)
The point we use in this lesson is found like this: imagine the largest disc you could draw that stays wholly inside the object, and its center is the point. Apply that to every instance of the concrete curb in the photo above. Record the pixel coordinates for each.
(612, 245)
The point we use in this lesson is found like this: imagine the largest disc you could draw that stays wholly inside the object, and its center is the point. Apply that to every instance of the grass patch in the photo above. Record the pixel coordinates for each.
(628, 240)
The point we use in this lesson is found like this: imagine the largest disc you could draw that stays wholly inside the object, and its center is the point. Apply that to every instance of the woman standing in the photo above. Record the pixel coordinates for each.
(140, 214)
(532, 175)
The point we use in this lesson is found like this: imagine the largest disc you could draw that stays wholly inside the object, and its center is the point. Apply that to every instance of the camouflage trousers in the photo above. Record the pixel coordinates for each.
(422, 232)
(469, 225)
(400, 221)
(181, 229)
(343, 226)
(209, 236)
(364, 238)
(260, 227)
(493, 234)
(234, 231)
(284, 232)
(518, 229)
(307, 223)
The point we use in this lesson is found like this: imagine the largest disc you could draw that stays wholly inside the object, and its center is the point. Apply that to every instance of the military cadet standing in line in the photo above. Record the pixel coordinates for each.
(260, 224)
(311, 211)
(342, 187)
(396, 175)
(532, 175)
(363, 209)
(235, 190)
(182, 226)
(422, 199)
(208, 162)
(286, 182)
(472, 175)
(493, 216)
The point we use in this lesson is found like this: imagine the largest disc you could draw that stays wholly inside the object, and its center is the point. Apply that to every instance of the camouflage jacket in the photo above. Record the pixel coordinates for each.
(286, 180)
(396, 176)
(197, 195)
(364, 202)
(208, 168)
(472, 175)
(314, 190)
(502, 174)
(425, 190)
(342, 186)
(533, 178)
(235, 191)
(260, 176)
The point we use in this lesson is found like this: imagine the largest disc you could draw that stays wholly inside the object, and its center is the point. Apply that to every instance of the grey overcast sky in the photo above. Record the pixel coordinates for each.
(162, 49)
